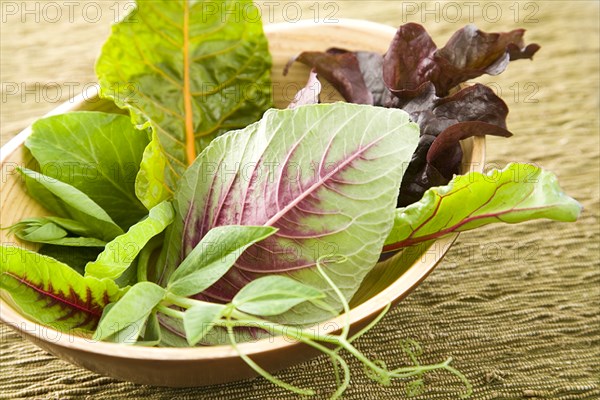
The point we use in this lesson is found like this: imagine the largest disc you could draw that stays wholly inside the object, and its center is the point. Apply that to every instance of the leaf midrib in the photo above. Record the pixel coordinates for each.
(190, 143)
(53, 296)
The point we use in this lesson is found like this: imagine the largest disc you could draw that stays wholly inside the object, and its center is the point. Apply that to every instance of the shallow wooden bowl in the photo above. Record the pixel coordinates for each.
(389, 282)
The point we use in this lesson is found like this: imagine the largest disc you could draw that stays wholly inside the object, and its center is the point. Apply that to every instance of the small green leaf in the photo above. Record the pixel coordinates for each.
(69, 202)
(53, 230)
(273, 295)
(214, 256)
(51, 292)
(121, 252)
(200, 319)
(126, 318)
(520, 192)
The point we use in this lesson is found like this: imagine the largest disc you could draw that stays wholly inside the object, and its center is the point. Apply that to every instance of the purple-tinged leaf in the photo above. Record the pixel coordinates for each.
(342, 69)
(413, 59)
(408, 65)
(520, 192)
(473, 111)
(326, 176)
(309, 94)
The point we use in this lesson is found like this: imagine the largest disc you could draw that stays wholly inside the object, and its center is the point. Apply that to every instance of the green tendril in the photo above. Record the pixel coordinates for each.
(258, 369)
(337, 291)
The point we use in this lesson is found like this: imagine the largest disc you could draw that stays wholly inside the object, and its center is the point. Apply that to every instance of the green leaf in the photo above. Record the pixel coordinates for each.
(152, 332)
(520, 192)
(121, 252)
(53, 230)
(273, 295)
(126, 318)
(214, 256)
(71, 203)
(188, 73)
(52, 293)
(150, 186)
(325, 175)
(97, 153)
(200, 319)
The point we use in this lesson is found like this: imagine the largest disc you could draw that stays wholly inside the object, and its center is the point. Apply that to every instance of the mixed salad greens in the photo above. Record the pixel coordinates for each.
(203, 218)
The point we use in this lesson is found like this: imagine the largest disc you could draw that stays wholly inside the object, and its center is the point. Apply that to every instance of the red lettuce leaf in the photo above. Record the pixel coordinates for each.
(444, 122)
(413, 59)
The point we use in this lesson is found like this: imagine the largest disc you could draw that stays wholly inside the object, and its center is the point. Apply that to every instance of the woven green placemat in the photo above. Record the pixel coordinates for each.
(517, 307)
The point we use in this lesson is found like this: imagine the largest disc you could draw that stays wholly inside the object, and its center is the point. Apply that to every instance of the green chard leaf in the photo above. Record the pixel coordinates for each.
(190, 75)
(214, 256)
(51, 292)
(120, 253)
(71, 203)
(273, 295)
(97, 153)
(325, 176)
(520, 192)
(199, 320)
(126, 318)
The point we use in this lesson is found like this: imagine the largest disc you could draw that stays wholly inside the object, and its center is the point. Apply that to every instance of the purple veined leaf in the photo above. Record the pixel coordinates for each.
(52, 293)
(326, 176)
(309, 94)
(518, 193)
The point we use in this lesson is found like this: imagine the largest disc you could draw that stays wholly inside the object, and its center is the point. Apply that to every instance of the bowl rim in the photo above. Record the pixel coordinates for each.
(394, 292)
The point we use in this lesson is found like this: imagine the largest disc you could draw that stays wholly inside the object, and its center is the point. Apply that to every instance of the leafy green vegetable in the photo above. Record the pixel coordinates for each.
(200, 319)
(51, 292)
(324, 175)
(97, 153)
(187, 73)
(54, 230)
(214, 256)
(121, 252)
(273, 295)
(520, 192)
(71, 203)
(124, 321)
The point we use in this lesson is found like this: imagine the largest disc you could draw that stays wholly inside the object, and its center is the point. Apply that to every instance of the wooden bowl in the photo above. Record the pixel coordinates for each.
(389, 282)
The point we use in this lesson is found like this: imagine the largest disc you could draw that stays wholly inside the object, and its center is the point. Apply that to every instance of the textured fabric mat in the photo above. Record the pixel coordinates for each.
(517, 307)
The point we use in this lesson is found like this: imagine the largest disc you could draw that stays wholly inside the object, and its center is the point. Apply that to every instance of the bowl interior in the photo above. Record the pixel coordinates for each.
(388, 282)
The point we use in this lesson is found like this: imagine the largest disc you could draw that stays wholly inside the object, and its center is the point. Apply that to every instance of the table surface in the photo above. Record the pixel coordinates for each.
(515, 306)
